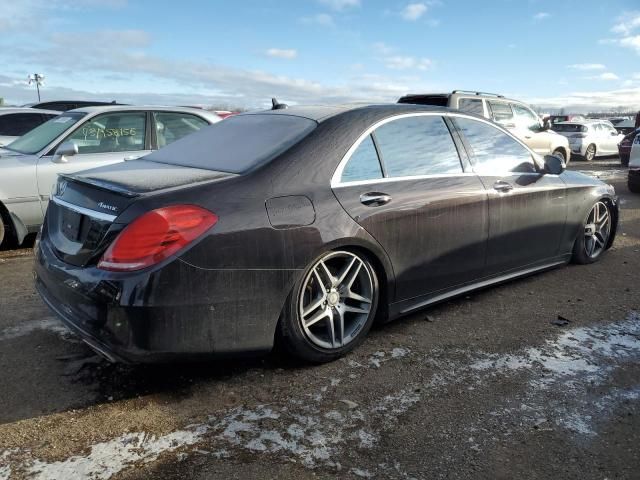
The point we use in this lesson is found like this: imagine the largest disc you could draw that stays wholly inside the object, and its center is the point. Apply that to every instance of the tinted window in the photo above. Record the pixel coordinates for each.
(494, 151)
(363, 164)
(237, 144)
(111, 132)
(43, 135)
(172, 126)
(569, 127)
(17, 124)
(417, 146)
(472, 105)
(501, 112)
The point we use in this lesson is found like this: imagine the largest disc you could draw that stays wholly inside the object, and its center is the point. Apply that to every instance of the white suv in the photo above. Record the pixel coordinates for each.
(513, 115)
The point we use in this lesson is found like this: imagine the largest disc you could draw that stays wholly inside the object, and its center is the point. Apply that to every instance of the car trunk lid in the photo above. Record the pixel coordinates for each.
(82, 215)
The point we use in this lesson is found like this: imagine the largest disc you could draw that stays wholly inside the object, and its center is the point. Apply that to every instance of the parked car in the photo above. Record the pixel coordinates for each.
(590, 138)
(513, 115)
(15, 122)
(625, 127)
(66, 105)
(77, 140)
(304, 225)
(553, 119)
(633, 179)
(624, 147)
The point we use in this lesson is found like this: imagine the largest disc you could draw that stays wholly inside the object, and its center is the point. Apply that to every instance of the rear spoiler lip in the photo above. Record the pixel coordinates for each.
(110, 187)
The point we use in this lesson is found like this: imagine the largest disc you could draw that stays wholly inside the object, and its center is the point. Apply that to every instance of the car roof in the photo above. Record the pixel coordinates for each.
(320, 113)
(95, 109)
(5, 110)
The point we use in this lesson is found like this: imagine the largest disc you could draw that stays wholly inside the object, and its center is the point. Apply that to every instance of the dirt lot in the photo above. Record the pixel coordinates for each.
(486, 386)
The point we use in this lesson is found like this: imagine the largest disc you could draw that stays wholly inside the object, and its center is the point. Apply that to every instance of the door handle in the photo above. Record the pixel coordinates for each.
(502, 186)
(374, 199)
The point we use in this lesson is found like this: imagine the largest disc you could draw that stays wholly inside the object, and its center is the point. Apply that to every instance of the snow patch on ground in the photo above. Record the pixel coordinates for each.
(51, 324)
(108, 458)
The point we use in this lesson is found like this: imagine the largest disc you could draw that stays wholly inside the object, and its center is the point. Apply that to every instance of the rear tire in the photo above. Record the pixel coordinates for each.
(634, 187)
(330, 308)
(7, 236)
(593, 238)
(590, 153)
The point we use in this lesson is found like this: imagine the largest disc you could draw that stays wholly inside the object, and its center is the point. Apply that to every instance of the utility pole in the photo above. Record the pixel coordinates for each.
(38, 80)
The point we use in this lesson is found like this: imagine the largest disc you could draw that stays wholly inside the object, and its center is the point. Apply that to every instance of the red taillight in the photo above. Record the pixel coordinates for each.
(156, 235)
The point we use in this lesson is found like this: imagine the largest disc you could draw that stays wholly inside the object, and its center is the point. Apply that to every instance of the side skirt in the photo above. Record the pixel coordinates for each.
(408, 306)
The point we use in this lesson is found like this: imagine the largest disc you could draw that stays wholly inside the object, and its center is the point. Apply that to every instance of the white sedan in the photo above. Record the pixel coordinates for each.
(590, 138)
(78, 140)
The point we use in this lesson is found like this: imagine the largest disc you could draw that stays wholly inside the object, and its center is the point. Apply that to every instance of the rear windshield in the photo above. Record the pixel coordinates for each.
(569, 127)
(236, 144)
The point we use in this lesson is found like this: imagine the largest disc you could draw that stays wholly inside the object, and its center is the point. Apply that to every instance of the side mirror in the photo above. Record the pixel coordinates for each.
(66, 149)
(553, 165)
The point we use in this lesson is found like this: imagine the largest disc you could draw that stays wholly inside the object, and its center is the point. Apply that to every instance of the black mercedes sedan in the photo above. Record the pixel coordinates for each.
(303, 226)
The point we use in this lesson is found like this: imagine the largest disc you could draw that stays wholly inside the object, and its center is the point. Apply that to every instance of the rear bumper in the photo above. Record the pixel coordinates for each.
(178, 312)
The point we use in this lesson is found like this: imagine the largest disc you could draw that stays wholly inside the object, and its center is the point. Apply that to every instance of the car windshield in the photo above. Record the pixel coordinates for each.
(569, 127)
(236, 144)
(41, 136)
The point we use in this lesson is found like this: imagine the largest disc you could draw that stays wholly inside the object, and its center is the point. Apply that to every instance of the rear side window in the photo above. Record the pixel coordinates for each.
(494, 152)
(17, 124)
(471, 105)
(420, 145)
(364, 163)
(172, 126)
(501, 112)
(237, 144)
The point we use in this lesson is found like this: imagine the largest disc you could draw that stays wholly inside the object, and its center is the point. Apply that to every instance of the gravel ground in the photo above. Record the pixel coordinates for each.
(493, 385)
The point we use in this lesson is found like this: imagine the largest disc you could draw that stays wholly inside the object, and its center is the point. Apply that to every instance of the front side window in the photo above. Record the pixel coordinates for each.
(364, 163)
(501, 112)
(172, 126)
(525, 118)
(471, 105)
(41, 136)
(493, 151)
(111, 132)
(420, 145)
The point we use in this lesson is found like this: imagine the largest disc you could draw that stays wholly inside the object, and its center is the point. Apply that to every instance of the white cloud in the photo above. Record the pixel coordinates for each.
(399, 62)
(607, 76)
(627, 23)
(632, 42)
(286, 53)
(340, 5)
(593, 100)
(626, 29)
(541, 16)
(382, 48)
(413, 11)
(322, 19)
(636, 76)
(587, 66)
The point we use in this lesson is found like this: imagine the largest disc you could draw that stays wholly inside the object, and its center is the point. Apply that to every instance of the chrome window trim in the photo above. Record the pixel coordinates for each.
(335, 179)
(84, 211)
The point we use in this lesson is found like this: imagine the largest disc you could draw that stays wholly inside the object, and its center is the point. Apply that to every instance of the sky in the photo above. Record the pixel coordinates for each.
(580, 54)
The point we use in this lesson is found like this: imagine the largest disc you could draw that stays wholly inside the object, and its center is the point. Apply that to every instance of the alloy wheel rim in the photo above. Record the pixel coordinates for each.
(597, 230)
(591, 152)
(335, 300)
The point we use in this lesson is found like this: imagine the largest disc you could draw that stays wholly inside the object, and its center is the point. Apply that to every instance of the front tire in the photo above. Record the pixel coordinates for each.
(590, 153)
(331, 307)
(594, 235)
(634, 187)
(560, 153)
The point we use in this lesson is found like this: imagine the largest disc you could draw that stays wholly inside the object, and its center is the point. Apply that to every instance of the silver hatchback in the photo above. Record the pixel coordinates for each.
(77, 140)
